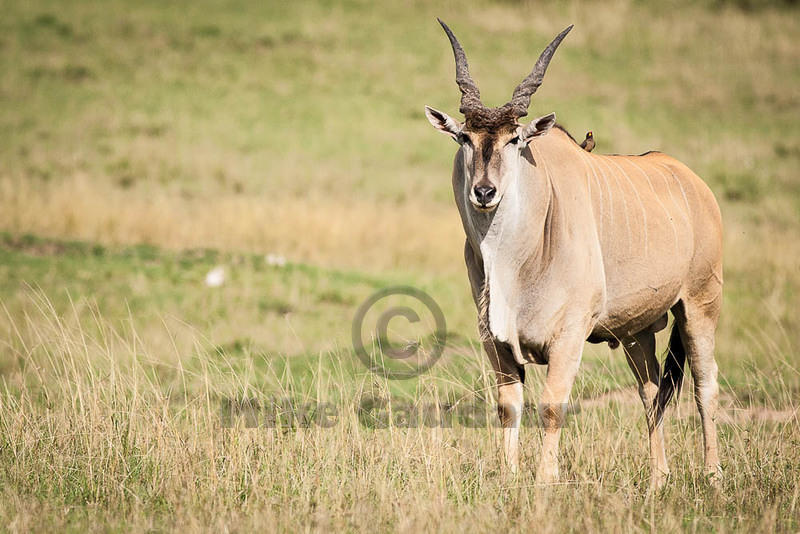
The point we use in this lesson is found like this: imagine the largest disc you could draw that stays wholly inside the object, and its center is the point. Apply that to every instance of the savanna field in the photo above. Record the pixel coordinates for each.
(283, 148)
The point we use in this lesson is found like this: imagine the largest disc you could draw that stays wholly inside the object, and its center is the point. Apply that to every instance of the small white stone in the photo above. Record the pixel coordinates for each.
(276, 260)
(216, 276)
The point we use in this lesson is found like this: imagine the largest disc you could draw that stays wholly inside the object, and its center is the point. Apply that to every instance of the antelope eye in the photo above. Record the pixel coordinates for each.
(464, 139)
(513, 141)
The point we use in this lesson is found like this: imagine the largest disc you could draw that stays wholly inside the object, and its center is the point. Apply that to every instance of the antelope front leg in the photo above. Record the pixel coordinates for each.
(564, 359)
(509, 398)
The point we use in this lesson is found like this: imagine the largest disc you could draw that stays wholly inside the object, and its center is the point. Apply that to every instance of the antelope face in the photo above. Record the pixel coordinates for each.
(490, 152)
(488, 159)
(492, 139)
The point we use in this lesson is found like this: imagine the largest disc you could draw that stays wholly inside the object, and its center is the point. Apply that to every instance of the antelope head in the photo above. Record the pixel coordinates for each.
(492, 139)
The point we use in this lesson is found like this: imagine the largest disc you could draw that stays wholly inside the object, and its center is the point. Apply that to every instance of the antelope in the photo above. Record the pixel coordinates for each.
(565, 246)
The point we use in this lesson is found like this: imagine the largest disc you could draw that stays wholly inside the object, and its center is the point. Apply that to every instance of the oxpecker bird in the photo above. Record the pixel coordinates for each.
(588, 143)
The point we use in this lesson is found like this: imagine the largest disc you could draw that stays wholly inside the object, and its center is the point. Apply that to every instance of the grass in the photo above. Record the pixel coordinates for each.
(145, 145)
(120, 367)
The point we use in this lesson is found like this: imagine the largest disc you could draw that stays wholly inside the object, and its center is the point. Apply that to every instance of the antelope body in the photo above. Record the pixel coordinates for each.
(564, 246)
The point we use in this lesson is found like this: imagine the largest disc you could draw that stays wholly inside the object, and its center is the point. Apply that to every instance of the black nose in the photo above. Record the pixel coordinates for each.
(484, 194)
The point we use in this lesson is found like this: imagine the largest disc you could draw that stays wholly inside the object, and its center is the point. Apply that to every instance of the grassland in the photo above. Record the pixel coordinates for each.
(145, 145)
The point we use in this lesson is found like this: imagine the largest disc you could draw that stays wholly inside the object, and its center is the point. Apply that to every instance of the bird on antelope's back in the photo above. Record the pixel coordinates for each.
(588, 143)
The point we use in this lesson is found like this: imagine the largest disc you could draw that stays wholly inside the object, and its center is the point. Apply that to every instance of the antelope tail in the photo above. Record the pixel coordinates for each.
(672, 377)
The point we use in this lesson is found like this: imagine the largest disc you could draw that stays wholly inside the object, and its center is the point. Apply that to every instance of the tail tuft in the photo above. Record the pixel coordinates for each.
(672, 377)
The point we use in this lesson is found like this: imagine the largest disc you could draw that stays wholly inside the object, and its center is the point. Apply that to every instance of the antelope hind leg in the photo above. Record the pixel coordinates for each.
(640, 352)
(697, 324)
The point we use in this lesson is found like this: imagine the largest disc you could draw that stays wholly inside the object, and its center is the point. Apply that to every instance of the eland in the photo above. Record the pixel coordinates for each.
(565, 246)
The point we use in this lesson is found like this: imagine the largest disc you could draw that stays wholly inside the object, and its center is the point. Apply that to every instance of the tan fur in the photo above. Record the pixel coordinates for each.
(565, 246)
(589, 246)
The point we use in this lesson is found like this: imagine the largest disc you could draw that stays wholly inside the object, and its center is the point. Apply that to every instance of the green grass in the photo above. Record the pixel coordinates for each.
(120, 367)
(145, 144)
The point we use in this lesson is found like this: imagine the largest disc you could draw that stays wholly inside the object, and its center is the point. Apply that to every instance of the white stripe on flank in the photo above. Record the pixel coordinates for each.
(588, 181)
(601, 174)
(590, 166)
(674, 200)
(608, 188)
(658, 199)
(686, 200)
(638, 198)
(624, 203)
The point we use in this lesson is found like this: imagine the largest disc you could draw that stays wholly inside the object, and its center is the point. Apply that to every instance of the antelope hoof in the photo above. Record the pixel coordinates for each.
(547, 475)
(658, 480)
(511, 470)
(714, 476)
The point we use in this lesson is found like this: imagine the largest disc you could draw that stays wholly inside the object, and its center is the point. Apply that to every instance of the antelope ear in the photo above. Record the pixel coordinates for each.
(538, 127)
(443, 122)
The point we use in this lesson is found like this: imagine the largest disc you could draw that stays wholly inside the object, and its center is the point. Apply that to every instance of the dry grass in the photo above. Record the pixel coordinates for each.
(91, 435)
(356, 233)
(297, 129)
